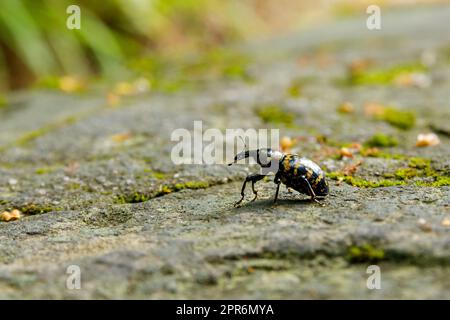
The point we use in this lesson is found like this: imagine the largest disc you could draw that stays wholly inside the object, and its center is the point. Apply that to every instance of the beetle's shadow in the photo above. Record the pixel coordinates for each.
(265, 203)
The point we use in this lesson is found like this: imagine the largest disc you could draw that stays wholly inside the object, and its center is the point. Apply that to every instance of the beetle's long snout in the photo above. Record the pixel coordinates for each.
(240, 156)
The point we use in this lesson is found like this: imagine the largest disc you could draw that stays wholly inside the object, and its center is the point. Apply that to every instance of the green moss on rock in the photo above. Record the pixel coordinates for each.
(406, 173)
(381, 140)
(44, 170)
(362, 183)
(32, 209)
(419, 163)
(440, 181)
(401, 119)
(294, 90)
(191, 185)
(365, 253)
(275, 114)
(384, 76)
(137, 197)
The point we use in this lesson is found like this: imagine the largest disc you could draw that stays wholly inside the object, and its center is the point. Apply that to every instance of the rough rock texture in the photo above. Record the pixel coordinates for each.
(63, 165)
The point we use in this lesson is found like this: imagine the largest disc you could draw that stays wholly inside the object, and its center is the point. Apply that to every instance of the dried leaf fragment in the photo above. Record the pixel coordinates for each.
(345, 152)
(427, 140)
(71, 84)
(121, 137)
(374, 109)
(346, 107)
(351, 168)
(10, 216)
(424, 225)
(286, 143)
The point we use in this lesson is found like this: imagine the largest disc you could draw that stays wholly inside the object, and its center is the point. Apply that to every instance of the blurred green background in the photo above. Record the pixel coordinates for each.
(145, 37)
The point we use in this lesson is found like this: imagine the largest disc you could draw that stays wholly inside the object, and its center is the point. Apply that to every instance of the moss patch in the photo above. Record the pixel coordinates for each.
(381, 140)
(44, 170)
(385, 155)
(440, 181)
(134, 197)
(401, 119)
(193, 72)
(362, 183)
(295, 89)
(32, 209)
(191, 185)
(419, 163)
(33, 135)
(275, 114)
(3, 102)
(420, 168)
(383, 76)
(365, 253)
(406, 173)
(137, 197)
(157, 174)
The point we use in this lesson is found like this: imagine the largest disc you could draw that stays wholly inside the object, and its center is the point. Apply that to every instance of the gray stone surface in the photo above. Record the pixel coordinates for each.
(70, 176)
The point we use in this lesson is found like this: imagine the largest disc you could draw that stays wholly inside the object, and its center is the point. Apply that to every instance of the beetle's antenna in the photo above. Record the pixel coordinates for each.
(243, 141)
(243, 154)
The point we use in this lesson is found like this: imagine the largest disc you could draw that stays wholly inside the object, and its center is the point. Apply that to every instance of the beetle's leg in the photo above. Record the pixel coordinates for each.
(277, 180)
(311, 191)
(254, 191)
(276, 192)
(253, 178)
(242, 193)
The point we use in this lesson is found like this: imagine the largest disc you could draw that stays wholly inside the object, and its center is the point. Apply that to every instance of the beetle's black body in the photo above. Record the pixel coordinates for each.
(298, 173)
(293, 170)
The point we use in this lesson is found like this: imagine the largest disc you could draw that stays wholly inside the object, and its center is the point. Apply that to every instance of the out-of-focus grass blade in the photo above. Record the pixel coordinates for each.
(23, 35)
(96, 35)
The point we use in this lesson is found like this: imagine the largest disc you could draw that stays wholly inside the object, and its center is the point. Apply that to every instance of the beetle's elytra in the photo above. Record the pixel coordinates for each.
(300, 174)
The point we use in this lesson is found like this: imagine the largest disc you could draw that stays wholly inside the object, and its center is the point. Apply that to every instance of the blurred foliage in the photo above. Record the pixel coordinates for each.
(35, 43)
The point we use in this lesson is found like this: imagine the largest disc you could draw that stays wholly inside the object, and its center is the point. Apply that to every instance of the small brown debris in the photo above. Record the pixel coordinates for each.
(370, 152)
(419, 80)
(326, 152)
(374, 109)
(359, 66)
(124, 88)
(141, 85)
(427, 140)
(424, 225)
(304, 61)
(286, 143)
(112, 99)
(351, 168)
(355, 145)
(10, 216)
(121, 137)
(339, 181)
(346, 107)
(72, 168)
(446, 222)
(345, 152)
(70, 84)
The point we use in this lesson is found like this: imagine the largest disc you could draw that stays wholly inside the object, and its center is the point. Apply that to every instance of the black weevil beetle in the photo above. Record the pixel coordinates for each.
(298, 173)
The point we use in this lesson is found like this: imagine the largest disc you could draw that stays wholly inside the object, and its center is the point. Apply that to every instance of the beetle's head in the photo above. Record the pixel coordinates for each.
(263, 156)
